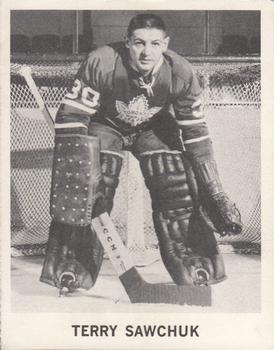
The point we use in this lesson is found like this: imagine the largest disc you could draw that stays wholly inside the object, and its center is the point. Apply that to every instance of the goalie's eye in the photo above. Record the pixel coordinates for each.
(156, 44)
(138, 43)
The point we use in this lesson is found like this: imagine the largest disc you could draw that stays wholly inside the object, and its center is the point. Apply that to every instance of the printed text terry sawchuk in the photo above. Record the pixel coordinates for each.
(145, 330)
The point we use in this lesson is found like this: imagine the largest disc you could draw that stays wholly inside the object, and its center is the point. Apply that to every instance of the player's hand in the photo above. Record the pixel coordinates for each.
(224, 215)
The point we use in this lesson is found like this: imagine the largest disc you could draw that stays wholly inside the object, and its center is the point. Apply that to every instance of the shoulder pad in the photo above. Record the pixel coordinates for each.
(104, 56)
(179, 65)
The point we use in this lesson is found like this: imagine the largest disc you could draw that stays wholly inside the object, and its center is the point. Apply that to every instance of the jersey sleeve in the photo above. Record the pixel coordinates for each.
(82, 100)
(188, 107)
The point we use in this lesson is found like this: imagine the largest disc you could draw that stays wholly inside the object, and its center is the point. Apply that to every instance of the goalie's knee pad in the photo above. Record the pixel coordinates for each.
(111, 164)
(76, 176)
(166, 180)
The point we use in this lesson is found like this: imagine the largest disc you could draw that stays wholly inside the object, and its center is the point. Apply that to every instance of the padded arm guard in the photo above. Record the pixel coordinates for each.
(75, 179)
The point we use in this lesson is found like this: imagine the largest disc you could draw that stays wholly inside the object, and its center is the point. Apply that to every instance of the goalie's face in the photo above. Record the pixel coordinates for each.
(146, 47)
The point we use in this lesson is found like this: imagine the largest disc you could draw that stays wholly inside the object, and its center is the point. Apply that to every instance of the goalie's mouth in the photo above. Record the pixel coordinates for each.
(146, 60)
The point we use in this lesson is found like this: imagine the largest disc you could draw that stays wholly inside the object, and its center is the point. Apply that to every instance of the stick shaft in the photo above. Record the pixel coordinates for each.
(26, 73)
(112, 243)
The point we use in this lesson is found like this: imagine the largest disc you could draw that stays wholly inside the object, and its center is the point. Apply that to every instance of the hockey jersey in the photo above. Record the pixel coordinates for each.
(108, 90)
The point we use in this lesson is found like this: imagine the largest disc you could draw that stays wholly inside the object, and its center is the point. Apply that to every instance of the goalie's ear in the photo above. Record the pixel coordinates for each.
(166, 43)
(126, 41)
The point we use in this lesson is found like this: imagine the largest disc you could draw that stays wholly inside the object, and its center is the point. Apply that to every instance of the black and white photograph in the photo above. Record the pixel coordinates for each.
(136, 165)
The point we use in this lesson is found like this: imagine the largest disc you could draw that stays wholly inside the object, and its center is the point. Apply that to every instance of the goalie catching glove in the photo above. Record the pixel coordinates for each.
(216, 206)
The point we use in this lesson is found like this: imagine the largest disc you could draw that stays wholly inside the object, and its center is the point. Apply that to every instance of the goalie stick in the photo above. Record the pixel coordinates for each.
(137, 289)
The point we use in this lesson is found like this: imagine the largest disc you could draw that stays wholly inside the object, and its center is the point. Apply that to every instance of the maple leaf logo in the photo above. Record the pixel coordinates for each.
(136, 112)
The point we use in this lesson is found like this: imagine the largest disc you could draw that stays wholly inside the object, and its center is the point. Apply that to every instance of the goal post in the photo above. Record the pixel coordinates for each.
(232, 101)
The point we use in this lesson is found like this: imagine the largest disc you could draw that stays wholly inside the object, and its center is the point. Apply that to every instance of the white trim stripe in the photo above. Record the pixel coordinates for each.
(79, 106)
(197, 139)
(113, 153)
(190, 122)
(146, 153)
(198, 114)
(69, 125)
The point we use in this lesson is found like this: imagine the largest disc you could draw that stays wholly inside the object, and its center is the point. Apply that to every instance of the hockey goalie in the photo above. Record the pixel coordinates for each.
(140, 97)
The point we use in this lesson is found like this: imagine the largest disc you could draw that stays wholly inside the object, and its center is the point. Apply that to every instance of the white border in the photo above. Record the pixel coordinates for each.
(226, 331)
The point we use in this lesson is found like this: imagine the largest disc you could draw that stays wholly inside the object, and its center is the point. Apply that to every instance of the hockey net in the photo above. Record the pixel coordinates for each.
(232, 97)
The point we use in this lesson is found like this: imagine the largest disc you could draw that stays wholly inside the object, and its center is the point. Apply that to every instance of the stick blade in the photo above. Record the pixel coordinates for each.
(140, 291)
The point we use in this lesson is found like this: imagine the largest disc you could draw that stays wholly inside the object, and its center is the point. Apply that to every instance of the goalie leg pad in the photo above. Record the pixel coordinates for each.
(173, 213)
(172, 205)
(75, 179)
(75, 250)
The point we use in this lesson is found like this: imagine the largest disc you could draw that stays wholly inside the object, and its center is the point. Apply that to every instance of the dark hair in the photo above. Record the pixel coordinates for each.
(145, 20)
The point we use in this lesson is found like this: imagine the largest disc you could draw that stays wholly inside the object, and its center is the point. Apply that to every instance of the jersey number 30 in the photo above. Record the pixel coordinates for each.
(88, 96)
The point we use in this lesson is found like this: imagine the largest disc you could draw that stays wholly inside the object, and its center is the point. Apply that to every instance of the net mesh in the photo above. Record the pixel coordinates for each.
(232, 105)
